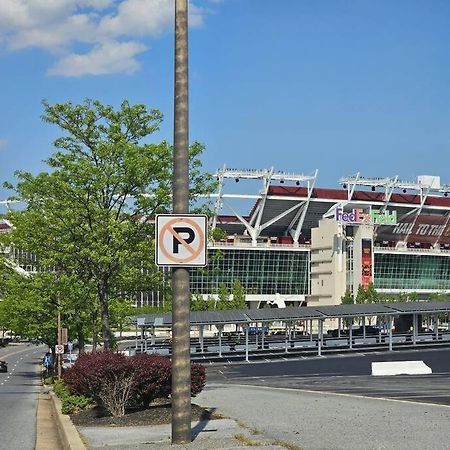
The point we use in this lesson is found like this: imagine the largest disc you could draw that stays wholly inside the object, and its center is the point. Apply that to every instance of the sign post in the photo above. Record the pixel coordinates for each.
(181, 356)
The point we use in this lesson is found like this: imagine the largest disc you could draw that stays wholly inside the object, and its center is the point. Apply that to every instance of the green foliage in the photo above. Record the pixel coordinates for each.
(371, 294)
(238, 301)
(361, 295)
(199, 304)
(217, 234)
(223, 295)
(71, 403)
(88, 216)
(347, 298)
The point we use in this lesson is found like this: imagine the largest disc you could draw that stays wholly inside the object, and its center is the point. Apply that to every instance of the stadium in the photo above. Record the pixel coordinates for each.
(292, 243)
(300, 244)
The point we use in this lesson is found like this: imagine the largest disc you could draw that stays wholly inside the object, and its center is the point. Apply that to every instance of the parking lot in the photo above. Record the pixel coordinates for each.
(347, 374)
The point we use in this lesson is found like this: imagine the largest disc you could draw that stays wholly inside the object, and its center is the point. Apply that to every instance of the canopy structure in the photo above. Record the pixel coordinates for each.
(292, 315)
(248, 316)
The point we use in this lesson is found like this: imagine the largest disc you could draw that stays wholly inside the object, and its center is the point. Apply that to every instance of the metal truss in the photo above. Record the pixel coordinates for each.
(254, 225)
(390, 184)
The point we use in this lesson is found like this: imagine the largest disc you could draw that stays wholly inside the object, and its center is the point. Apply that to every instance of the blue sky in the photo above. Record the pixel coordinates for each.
(338, 85)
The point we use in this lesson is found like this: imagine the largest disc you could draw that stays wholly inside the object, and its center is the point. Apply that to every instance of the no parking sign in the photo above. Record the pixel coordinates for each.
(181, 240)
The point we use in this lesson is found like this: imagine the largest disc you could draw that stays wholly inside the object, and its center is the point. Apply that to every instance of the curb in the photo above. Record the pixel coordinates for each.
(70, 438)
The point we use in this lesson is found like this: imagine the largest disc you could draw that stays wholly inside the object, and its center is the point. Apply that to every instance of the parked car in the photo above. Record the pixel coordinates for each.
(3, 366)
(69, 360)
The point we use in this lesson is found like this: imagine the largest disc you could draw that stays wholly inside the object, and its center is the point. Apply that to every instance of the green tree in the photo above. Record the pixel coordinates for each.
(347, 298)
(198, 303)
(89, 216)
(361, 295)
(238, 301)
(223, 295)
(371, 294)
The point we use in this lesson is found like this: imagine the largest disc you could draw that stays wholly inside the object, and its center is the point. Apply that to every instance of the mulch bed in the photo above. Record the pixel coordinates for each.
(157, 414)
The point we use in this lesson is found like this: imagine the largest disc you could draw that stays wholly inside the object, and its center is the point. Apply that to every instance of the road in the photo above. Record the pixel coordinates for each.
(19, 390)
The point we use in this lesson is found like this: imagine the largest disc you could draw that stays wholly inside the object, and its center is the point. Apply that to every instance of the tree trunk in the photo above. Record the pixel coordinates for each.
(106, 330)
(94, 331)
(81, 340)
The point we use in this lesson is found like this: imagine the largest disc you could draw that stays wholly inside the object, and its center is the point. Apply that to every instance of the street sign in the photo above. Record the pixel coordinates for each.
(63, 337)
(70, 346)
(181, 240)
(59, 349)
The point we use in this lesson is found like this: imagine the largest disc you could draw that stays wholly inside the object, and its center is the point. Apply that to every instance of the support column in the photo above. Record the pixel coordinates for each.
(350, 341)
(246, 342)
(339, 327)
(320, 338)
(220, 328)
(436, 327)
(200, 337)
(414, 331)
(153, 342)
(364, 327)
(391, 324)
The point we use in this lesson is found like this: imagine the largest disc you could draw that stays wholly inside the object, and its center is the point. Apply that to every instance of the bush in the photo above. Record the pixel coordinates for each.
(115, 381)
(71, 404)
(153, 378)
(198, 379)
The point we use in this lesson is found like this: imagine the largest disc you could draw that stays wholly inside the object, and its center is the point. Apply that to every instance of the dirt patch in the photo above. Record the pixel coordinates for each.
(157, 414)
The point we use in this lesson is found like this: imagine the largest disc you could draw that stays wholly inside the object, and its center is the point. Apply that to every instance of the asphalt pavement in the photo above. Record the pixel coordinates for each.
(19, 389)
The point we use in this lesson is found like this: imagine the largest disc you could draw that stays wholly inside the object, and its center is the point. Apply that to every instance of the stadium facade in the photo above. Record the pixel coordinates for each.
(304, 245)
(301, 244)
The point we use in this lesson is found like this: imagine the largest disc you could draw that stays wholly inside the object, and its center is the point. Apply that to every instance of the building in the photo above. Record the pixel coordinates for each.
(299, 244)
(308, 245)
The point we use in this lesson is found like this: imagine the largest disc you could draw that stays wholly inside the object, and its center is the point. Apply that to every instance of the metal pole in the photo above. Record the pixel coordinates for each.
(339, 327)
(319, 338)
(201, 338)
(181, 357)
(246, 343)
(436, 327)
(350, 342)
(364, 327)
(220, 340)
(59, 356)
(414, 329)
(391, 322)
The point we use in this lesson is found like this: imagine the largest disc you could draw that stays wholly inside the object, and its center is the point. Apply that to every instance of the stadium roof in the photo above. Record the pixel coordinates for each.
(280, 199)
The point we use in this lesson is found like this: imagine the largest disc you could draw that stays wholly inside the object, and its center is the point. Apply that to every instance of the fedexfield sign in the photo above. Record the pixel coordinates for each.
(359, 217)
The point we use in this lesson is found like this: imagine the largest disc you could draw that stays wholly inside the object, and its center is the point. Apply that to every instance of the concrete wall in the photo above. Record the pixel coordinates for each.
(328, 264)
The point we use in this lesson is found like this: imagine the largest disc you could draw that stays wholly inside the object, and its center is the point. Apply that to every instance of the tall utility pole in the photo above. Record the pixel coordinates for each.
(181, 357)
(59, 356)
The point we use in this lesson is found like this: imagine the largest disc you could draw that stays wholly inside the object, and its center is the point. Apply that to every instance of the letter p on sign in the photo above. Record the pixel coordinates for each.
(181, 240)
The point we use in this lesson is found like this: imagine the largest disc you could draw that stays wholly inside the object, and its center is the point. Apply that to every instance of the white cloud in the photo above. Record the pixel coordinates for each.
(111, 57)
(101, 26)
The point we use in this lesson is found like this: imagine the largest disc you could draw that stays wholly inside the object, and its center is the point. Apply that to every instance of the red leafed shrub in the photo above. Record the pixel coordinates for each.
(198, 379)
(115, 381)
(106, 377)
(86, 376)
(153, 377)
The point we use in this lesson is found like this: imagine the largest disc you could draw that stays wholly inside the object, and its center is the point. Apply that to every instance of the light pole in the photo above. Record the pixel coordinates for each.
(181, 358)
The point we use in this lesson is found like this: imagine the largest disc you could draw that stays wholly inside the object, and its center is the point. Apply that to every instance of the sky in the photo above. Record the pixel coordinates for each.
(342, 86)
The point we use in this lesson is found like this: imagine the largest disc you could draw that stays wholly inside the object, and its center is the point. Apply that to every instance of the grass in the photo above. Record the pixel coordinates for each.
(246, 440)
(287, 445)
